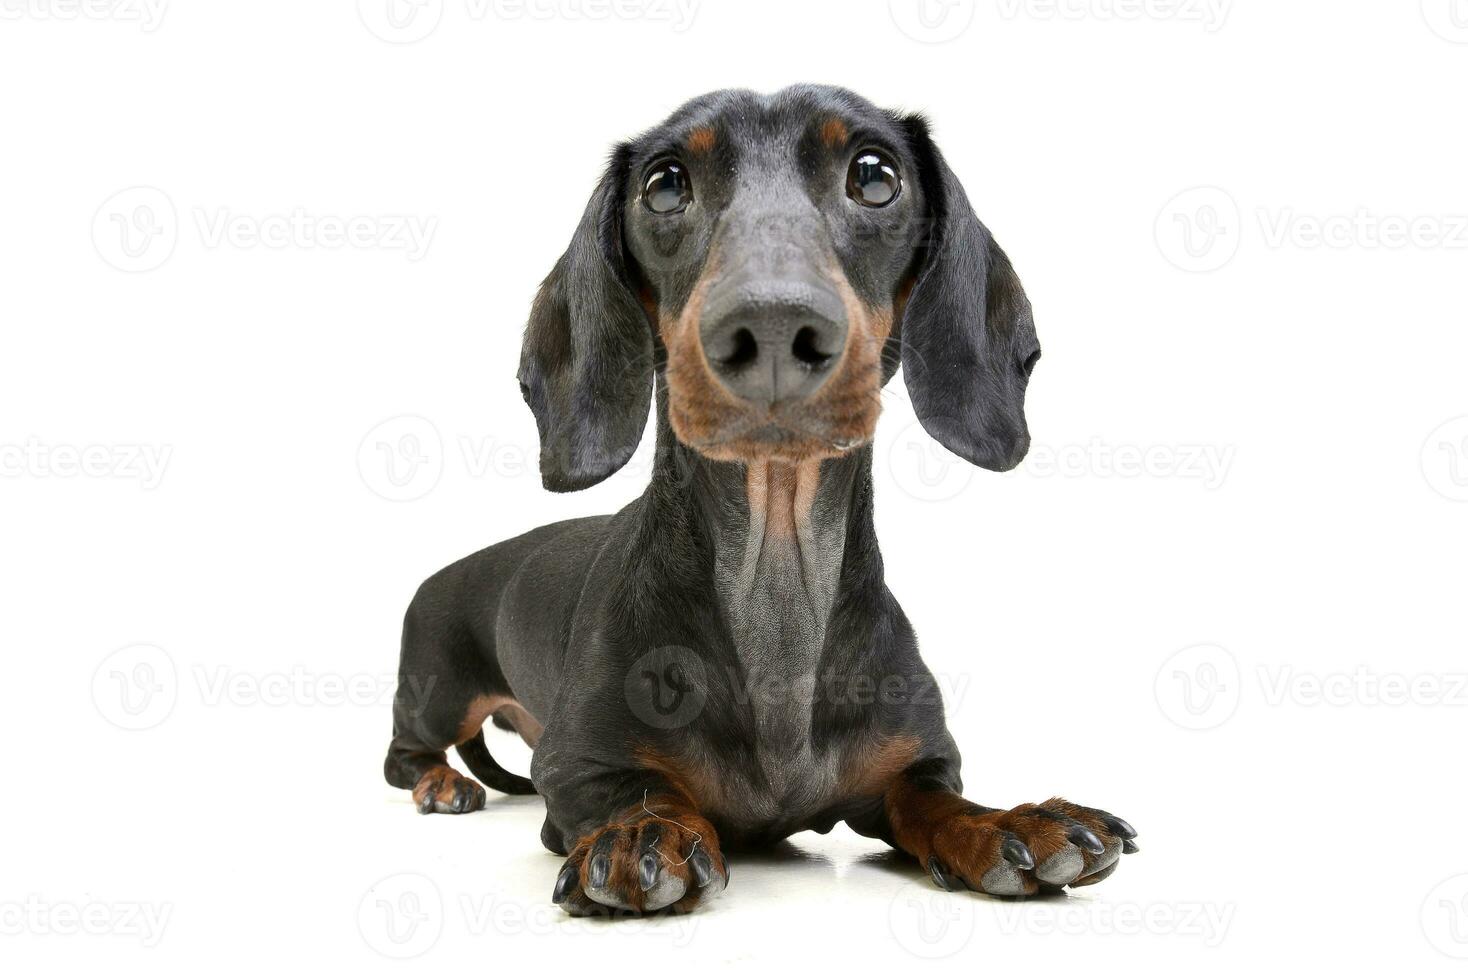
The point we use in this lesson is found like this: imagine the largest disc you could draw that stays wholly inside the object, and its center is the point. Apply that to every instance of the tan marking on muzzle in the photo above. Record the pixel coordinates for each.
(838, 417)
(695, 398)
(850, 402)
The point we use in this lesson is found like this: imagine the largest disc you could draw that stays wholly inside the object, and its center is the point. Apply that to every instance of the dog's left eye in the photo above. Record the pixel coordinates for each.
(667, 189)
(872, 179)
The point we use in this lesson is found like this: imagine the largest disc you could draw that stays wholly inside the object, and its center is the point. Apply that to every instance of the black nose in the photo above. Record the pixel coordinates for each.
(773, 342)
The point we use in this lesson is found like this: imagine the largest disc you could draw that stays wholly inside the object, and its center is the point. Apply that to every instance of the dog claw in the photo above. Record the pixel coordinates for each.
(1120, 827)
(1084, 839)
(601, 869)
(703, 868)
(647, 871)
(1016, 853)
(1127, 847)
(940, 875)
(564, 883)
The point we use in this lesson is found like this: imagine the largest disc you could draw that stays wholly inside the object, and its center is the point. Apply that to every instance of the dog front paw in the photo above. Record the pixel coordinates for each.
(642, 865)
(1029, 849)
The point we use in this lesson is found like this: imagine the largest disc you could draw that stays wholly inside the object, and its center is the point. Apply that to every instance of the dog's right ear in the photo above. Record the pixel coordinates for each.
(586, 364)
(968, 334)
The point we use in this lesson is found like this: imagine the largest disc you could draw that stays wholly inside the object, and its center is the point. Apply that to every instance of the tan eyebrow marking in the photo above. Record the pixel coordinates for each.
(701, 140)
(834, 133)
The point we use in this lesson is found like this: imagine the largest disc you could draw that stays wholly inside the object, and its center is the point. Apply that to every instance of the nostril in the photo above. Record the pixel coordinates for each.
(1028, 364)
(807, 348)
(743, 350)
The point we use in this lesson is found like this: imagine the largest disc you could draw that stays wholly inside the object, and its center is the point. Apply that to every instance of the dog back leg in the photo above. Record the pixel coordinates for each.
(447, 689)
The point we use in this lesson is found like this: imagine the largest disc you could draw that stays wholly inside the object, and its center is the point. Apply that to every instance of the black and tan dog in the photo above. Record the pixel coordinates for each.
(720, 663)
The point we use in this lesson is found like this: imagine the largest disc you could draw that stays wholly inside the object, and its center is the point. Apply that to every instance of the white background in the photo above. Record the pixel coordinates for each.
(1258, 660)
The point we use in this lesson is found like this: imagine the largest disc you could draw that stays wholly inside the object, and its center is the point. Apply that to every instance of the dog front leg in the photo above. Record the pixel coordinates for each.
(1020, 851)
(649, 849)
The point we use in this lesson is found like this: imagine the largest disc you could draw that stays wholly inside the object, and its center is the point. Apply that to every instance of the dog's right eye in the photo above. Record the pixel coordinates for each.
(872, 180)
(667, 189)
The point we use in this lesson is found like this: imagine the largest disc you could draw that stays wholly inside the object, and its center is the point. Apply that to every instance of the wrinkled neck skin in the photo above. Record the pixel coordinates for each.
(778, 536)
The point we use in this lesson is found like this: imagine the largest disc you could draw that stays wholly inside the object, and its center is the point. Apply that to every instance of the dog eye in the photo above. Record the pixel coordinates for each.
(872, 179)
(667, 189)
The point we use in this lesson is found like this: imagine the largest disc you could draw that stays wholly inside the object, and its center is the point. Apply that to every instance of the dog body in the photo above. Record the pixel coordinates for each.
(721, 663)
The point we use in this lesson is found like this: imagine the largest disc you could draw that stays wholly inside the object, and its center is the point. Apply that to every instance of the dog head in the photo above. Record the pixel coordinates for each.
(774, 258)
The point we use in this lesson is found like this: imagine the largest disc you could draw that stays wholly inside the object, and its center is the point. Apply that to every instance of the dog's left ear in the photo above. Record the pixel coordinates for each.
(968, 336)
(586, 364)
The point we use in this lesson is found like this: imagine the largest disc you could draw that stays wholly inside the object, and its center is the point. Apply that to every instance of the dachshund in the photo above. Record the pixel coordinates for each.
(720, 664)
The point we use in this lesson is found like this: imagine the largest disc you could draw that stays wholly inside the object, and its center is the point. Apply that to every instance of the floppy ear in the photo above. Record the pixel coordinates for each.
(968, 337)
(587, 359)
